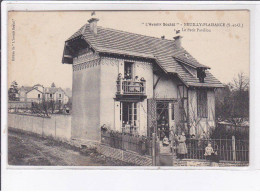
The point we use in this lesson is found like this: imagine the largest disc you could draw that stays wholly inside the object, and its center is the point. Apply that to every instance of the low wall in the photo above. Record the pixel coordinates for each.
(19, 104)
(126, 156)
(58, 126)
(199, 163)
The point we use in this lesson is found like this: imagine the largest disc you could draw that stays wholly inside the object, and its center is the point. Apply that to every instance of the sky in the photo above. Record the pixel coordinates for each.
(38, 40)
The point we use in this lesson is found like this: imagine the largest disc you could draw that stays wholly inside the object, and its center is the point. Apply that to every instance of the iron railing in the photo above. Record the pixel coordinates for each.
(227, 149)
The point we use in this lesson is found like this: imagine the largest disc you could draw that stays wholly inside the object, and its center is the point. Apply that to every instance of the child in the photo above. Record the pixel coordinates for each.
(165, 141)
(172, 139)
(208, 152)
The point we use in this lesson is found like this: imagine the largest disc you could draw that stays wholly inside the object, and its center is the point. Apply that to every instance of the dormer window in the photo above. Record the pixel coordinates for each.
(201, 74)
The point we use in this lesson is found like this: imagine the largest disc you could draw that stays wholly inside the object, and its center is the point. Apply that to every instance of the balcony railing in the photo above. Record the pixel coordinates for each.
(131, 87)
(130, 129)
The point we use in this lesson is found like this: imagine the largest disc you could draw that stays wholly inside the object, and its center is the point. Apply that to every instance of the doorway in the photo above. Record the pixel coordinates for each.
(165, 123)
(165, 118)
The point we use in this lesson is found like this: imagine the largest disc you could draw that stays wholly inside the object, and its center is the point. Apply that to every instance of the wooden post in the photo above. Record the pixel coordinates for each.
(42, 125)
(234, 147)
(120, 87)
(157, 153)
(144, 87)
(55, 127)
(153, 149)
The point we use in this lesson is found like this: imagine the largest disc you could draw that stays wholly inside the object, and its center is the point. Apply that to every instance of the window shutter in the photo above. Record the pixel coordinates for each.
(117, 116)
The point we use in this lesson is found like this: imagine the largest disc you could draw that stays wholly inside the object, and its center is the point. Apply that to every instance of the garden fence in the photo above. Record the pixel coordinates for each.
(227, 149)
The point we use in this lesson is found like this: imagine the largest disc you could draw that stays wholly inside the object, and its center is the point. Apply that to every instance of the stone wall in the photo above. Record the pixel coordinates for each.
(58, 126)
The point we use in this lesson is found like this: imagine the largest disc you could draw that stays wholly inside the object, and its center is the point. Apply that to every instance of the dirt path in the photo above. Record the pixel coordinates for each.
(32, 150)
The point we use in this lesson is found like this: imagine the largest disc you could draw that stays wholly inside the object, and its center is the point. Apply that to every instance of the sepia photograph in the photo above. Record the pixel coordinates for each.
(129, 88)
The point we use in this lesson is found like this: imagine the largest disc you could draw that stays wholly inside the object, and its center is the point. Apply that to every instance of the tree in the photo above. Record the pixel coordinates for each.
(13, 92)
(232, 102)
(240, 83)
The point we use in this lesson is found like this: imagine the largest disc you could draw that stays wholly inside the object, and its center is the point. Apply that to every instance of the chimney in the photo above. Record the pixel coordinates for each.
(163, 37)
(93, 25)
(177, 41)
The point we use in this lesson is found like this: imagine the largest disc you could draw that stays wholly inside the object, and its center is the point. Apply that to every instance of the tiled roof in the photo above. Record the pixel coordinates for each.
(26, 88)
(167, 54)
(51, 90)
(192, 80)
(33, 88)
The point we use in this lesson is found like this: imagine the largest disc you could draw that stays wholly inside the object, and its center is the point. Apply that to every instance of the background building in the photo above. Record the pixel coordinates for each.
(38, 93)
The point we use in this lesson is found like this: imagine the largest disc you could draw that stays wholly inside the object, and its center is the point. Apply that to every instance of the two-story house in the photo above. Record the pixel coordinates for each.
(56, 94)
(31, 94)
(135, 83)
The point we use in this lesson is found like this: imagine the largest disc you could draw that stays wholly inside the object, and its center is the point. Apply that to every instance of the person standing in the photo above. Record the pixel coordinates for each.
(163, 127)
(172, 140)
(181, 148)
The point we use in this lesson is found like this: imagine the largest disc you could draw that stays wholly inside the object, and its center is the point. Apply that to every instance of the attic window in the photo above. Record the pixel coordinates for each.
(186, 55)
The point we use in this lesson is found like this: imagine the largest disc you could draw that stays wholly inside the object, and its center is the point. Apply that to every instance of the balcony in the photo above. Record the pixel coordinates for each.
(131, 89)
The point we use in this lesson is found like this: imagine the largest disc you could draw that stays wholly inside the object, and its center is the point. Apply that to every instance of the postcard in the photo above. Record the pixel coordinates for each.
(128, 88)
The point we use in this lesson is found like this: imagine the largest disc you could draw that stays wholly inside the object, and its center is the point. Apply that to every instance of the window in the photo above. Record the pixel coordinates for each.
(39, 95)
(51, 95)
(60, 95)
(202, 103)
(128, 70)
(128, 115)
(201, 74)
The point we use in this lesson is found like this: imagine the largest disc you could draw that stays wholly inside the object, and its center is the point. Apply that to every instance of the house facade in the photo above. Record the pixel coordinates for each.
(136, 84)
(31, 94)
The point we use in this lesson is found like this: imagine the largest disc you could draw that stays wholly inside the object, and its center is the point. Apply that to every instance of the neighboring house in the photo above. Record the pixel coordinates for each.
(172, 91)
(56, 94)
(31, 94)
(23, 93)
(38, 92)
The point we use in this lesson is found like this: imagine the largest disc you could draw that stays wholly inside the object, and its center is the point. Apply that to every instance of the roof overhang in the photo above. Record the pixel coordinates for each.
(122, 52)
(72, 46)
